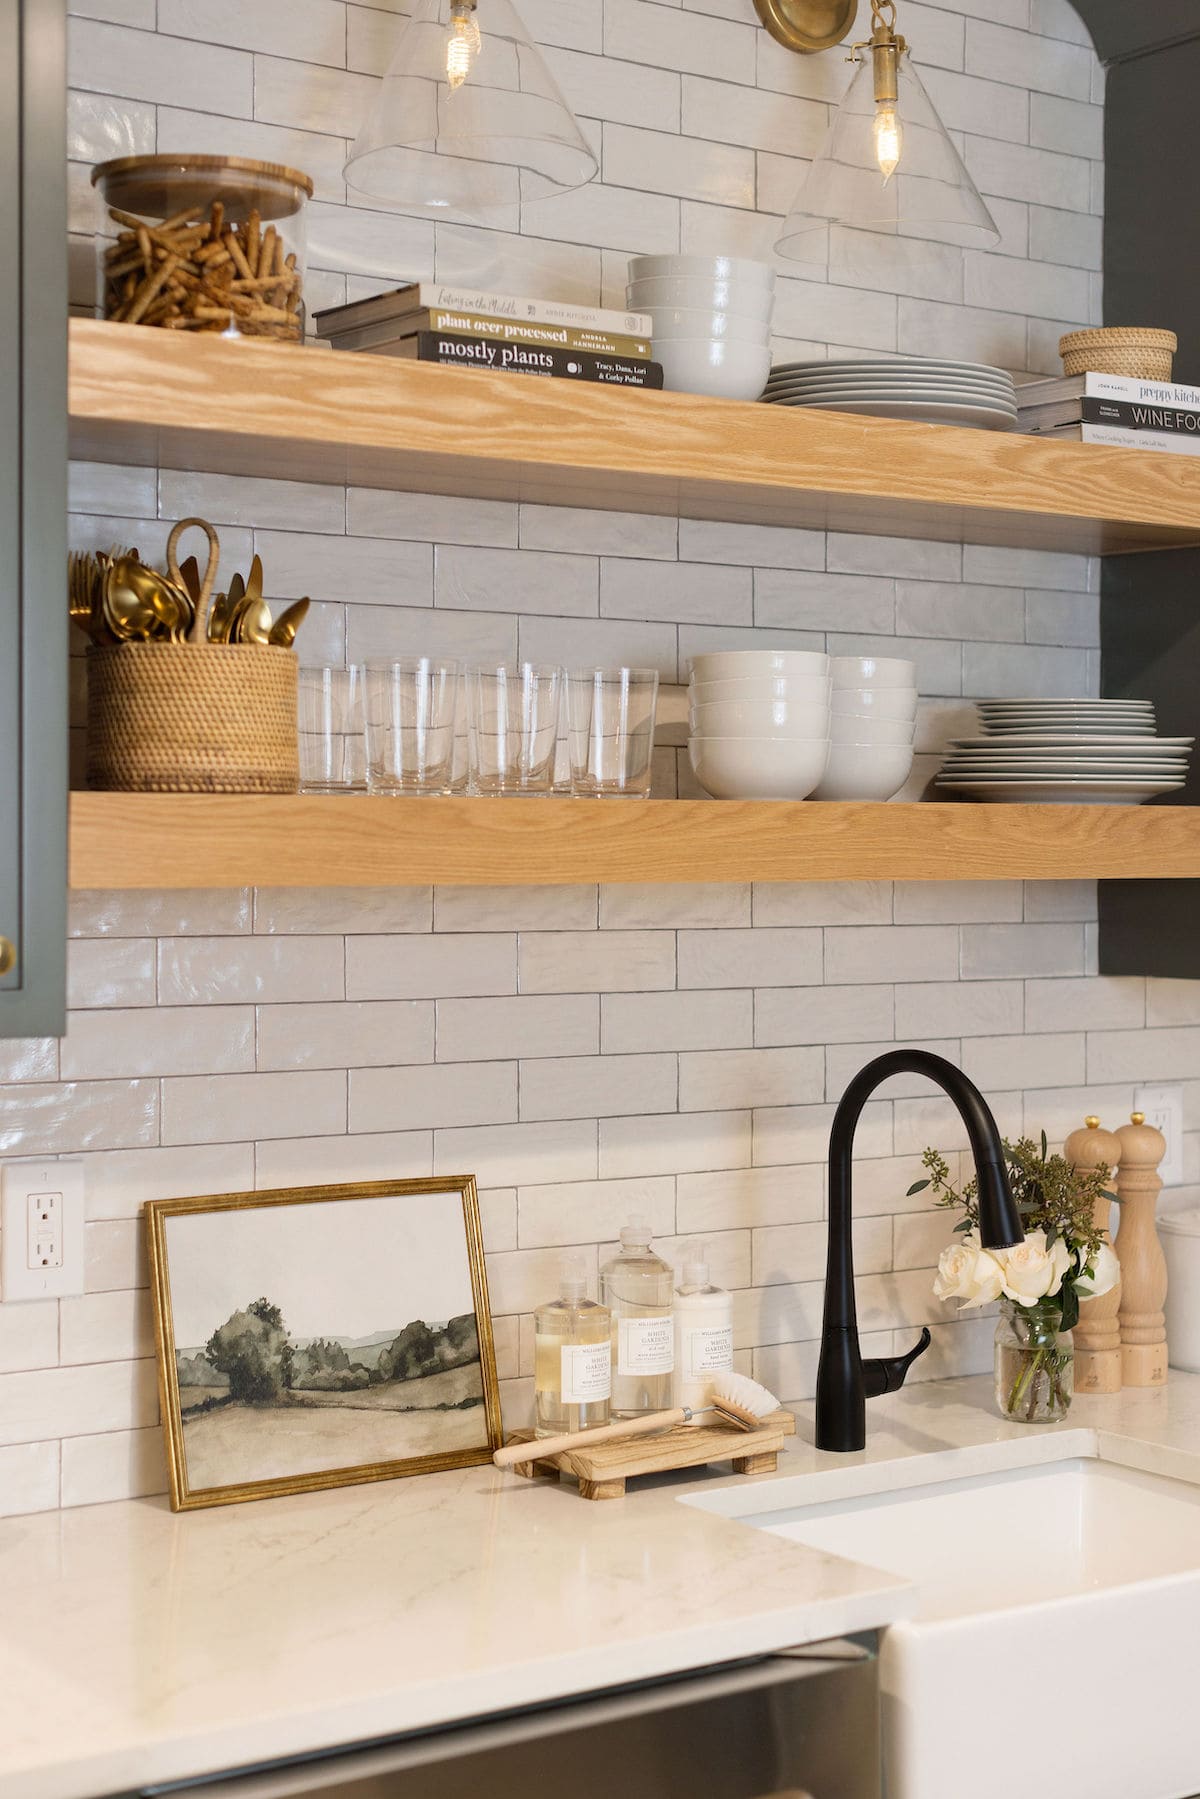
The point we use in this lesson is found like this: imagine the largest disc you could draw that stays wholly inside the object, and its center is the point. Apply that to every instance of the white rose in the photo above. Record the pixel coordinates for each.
(1031, 1271)
(1106, 1273)
(967, 1272)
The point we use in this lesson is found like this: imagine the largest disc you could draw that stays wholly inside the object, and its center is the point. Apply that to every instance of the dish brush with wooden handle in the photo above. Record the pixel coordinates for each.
(736, 1400)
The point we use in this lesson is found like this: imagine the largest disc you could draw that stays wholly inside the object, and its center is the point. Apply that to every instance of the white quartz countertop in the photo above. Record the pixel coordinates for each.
(138, 1646)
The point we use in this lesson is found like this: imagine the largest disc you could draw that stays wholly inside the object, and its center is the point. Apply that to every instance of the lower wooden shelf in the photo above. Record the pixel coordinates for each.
(307, 840)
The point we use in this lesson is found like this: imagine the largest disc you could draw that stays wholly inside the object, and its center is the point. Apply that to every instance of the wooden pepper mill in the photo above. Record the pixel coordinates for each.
(1097, 1335)
(1143, 1267)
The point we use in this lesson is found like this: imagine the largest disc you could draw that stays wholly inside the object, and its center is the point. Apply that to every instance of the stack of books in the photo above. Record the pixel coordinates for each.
(1113, 409)
(466, 329)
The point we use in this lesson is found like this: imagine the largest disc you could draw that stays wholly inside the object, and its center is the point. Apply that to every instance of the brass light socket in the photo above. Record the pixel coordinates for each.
(886, 51)
(807, 25)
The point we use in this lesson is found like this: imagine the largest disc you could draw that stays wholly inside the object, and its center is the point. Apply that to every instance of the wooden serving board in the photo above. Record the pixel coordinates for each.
(603, 1469)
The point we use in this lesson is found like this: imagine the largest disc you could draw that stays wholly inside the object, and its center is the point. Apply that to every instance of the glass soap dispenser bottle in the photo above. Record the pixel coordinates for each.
(703, 1335)
(637, 1287)
(572, 1358)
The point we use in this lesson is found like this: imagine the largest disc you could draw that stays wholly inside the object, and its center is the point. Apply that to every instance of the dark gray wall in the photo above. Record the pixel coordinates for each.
(1150, 616)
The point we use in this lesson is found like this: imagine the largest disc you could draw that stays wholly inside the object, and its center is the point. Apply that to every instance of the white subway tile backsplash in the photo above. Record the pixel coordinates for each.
(750, 958)
(432, 1096)
(721, 1080)
(29, 1479)
(608, 1086)
(214, 1108)
(595, 962)
(222, 972)
(142, 65)
(28, 1335)
(117, 1464)
(72, 1402)
(345, 1034)
(593, 1211)
(403, 1010)
(162, 1040)
(852, 1014)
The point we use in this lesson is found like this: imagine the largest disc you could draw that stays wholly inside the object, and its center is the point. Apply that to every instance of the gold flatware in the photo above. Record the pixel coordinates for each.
(140, 603)
(223, 608)
(283, 631)
(252, 622)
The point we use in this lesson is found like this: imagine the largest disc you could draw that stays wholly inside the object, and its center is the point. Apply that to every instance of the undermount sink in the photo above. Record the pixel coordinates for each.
(1053, 1646)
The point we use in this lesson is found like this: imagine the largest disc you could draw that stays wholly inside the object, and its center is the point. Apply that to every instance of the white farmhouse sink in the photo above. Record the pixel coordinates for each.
(1056, 1645)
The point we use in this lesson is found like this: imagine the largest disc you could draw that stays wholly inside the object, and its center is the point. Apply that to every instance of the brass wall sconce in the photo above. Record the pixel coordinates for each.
(807, 25)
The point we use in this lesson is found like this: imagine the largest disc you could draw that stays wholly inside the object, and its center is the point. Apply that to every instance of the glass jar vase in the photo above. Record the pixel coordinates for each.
(203, 243)
(1034, 1363)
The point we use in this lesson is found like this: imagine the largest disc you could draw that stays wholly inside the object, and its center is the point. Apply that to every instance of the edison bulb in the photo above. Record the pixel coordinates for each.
(889, 138)
(464, 43)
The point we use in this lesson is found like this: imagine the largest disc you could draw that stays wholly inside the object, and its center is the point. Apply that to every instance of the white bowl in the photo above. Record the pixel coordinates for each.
(872, 773)
(708, 268)
(707, 296)
(760, 718)
(866, 731)
(873, 671)
(876, 702)
(730, 665)
(669, 322)
(758, 768)
(762, 689)
(710, 365)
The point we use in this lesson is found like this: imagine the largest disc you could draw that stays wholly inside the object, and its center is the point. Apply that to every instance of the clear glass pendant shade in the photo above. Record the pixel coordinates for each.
(886, 184)
(468, 121)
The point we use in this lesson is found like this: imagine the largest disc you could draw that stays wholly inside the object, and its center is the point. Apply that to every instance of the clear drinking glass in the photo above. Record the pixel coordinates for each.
(411, 706)
(332, 728)
(610, 727)
(514, 711)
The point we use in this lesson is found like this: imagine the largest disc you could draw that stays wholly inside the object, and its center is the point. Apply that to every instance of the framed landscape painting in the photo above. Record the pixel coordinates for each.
(319, 1336)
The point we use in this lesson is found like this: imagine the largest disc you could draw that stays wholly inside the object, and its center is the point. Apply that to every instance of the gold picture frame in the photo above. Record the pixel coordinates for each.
(218, 1390)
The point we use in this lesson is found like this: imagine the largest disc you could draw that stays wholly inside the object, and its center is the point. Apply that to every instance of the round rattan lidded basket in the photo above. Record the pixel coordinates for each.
(1119, 350)
(192, 718)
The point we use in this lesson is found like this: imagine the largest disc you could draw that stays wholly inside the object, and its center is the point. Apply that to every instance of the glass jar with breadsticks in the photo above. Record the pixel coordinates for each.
(203, 243)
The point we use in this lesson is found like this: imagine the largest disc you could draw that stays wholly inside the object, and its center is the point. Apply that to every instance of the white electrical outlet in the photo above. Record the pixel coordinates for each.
(41, 1230)
(1163, 1106)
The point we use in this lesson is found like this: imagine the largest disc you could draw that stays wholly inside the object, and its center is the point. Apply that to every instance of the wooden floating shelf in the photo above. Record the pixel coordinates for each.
(264, 409)
(308, 840)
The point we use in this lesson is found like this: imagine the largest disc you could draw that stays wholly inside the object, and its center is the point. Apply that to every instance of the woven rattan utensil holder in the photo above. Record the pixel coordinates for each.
(1119, 350)
(192, 718)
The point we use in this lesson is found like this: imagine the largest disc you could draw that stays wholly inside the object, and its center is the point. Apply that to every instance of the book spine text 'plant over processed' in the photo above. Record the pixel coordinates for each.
(382, 337)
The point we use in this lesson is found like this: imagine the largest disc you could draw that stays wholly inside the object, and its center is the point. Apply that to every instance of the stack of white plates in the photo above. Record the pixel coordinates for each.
(1070, 752)
(711, 318)
(923, 388)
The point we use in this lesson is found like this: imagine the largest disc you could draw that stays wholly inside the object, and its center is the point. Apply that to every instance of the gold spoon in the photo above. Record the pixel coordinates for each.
(223, 609)
(283, 631)
(252, 622)
(140, 603)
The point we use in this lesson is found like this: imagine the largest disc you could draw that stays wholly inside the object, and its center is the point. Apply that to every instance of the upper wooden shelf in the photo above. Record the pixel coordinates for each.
(254, 408)
(218, 840)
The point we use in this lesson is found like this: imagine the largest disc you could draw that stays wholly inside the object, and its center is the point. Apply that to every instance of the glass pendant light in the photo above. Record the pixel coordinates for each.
(887, 183)
(469, 121)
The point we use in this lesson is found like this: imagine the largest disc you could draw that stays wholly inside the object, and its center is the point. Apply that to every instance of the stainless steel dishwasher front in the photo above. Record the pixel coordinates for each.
(803, 1724)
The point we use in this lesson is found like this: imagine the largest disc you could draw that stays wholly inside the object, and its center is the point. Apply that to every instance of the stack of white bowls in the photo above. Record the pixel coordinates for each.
(758, 723)
(873, 713)
(711, 321)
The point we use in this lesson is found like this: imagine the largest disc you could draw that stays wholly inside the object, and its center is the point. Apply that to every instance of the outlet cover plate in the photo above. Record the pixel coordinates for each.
(25, 1271)
(1163, 1106)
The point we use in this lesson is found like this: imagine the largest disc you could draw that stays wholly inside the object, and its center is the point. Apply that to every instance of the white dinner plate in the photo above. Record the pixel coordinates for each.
(1101, 771)
(1059, 793)
(1070, 741)
(906, 365)
(833, 397)
(1101, 707)
(917, 411)
(978, 383)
